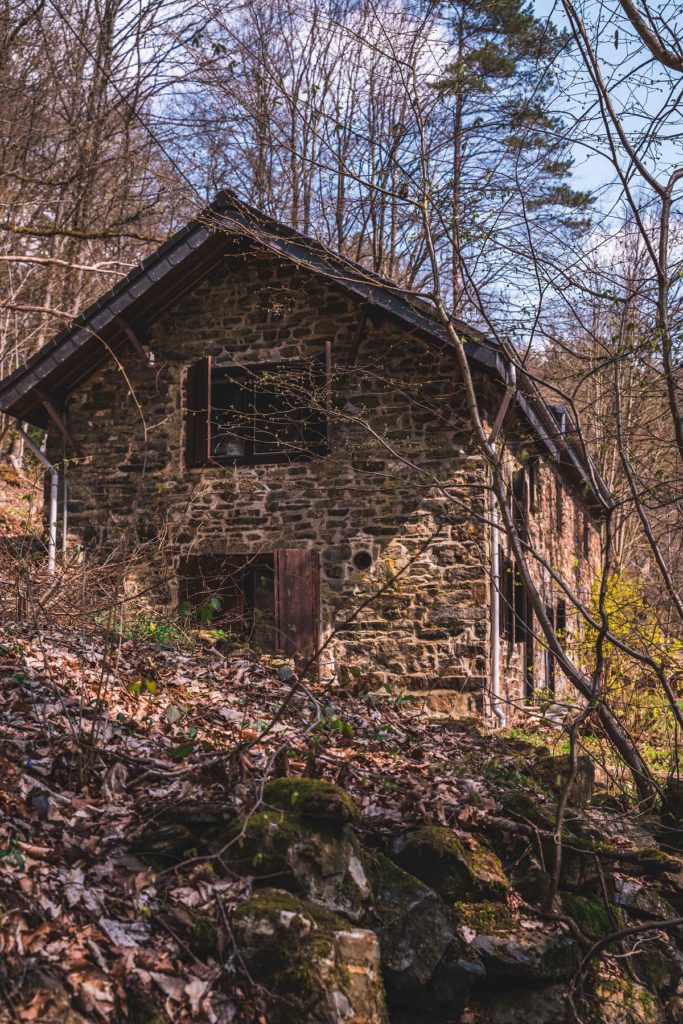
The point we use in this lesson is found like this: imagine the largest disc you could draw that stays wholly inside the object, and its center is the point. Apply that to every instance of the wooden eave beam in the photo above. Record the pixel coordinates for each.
(135, 342)
(500, 416)
(59, 421)
(358, 336)
(136, 345)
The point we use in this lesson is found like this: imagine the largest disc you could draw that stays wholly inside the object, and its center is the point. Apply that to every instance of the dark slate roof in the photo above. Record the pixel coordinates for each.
(226, 227)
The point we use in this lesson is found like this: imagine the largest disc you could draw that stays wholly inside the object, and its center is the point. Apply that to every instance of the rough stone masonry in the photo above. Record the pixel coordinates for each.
(400, 484)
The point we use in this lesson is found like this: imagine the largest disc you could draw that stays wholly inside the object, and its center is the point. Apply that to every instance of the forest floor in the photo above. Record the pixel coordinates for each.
(21, 501)
(106, 741)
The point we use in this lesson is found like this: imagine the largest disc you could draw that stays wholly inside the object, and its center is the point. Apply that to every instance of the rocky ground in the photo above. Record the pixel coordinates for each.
(189, 834)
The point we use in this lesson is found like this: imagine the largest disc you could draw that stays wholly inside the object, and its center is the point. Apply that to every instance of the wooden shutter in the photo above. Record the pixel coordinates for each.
(529, 653)
(520, 606)
(520, 502)
(559, 510)
(328, 393)
(198, 413)
(549, 656)
(297, 602)
(507, 600)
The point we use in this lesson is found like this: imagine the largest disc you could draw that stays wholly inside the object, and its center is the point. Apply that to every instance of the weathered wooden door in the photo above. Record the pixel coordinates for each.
(297, 602)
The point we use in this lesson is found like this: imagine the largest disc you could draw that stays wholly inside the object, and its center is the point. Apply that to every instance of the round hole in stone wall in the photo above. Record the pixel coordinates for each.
(362, 560)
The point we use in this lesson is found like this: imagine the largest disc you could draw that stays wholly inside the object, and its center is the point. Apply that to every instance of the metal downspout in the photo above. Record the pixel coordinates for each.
(54, 494)
(496, 705)
(65, 508)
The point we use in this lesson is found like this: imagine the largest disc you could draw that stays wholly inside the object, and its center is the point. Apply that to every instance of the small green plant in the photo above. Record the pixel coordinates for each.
(163, 633)
(13, 854)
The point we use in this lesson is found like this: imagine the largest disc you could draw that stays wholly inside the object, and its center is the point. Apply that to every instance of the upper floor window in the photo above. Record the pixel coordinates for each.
(520, 502)
(260, 414)
(559, 506)
(534, 482)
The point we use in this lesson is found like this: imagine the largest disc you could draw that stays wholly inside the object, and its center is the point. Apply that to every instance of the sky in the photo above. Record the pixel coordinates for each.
(639, 88)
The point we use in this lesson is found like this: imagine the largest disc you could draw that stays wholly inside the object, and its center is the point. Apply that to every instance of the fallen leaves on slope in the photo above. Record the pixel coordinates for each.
(103, 742)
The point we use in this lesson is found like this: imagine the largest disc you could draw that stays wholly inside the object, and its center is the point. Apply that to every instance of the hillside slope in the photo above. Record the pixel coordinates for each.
(194, 835)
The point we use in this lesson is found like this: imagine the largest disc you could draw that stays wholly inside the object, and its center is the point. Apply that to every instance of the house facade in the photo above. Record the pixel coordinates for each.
(268, 434)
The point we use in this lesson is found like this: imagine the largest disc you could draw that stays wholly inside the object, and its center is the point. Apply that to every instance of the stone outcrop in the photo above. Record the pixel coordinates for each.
(321, 862)
(458, 869)
(553, 772)
(425, 961)
(425, 925)
(317, 967)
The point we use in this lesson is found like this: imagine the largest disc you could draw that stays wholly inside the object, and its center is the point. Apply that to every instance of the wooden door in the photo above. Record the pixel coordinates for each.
(297, 602)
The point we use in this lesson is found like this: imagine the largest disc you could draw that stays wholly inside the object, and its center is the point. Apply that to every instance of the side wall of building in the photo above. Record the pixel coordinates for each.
(567, 543)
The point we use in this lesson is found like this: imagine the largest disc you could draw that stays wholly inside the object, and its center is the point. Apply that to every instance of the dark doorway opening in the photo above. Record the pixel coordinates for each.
(269, 600)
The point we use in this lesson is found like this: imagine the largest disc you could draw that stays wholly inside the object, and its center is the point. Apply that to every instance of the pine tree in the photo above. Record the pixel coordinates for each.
(509, 154)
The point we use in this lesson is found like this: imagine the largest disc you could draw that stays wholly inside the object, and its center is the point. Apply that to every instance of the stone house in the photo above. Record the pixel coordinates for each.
(263, 428)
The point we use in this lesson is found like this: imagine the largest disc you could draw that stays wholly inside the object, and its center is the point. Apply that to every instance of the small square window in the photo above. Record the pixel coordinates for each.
(263, 414)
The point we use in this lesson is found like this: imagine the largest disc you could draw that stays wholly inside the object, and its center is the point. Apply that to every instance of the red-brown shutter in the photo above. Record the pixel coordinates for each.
(198, 413)
(297, 602)
(328, 392)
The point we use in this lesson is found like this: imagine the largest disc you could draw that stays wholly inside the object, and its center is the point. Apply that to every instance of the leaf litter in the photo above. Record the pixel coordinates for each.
(90, 760)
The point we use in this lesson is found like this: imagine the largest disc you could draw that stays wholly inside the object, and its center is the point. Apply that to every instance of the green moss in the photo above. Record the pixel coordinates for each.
(269, 904)
(259, 845)
(618, 992)
(486, 918)
(313, 798)
(455, 870)
(656, 862)
(528, 809)
(591, 915)
(286, 958)
(393, 889)
(655, 968)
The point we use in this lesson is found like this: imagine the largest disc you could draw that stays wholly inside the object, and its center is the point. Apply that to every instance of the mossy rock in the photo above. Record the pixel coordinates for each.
(521, 1005)
(659, 965)
(591, 915)
(618, 1001)
(313, 966)
(456, 870)
(196, 930)
(258, 845)
(321, 861)
(672, 803)
(529, 877)
(643, 900)
(489, 917)
(529, 809)
(428, 970)
(394, 890)
(528, 952)
(553, 772)
(655, 862)
(312, 798)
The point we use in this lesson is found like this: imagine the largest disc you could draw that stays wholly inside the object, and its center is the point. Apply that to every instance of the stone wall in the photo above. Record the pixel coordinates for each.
(570, 546)
(399, 482)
